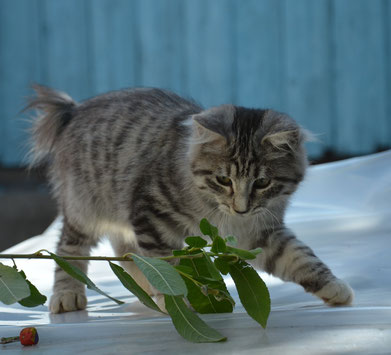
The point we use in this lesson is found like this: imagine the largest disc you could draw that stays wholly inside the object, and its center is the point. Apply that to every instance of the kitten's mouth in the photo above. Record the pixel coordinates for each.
(232, 212)
(241, 213)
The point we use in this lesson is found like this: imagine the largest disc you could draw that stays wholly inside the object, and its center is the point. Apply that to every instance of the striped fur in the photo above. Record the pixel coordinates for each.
(144, 166)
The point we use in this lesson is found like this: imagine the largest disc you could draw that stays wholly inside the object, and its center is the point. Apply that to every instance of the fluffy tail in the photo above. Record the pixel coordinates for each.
(55, 110)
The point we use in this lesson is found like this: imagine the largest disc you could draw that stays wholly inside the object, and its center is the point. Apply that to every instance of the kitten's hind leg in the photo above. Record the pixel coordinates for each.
(130, 267)
(68, 293)
(121, 248)
(289, 259)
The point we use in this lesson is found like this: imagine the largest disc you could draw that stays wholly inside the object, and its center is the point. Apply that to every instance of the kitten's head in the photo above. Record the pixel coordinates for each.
(247, 160)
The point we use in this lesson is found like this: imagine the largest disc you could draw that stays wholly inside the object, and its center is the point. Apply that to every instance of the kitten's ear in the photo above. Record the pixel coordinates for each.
(285, 140)
(214, 124)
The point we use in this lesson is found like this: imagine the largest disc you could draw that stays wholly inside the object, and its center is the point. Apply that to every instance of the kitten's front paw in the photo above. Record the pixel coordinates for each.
(67, 301)
(336, 293)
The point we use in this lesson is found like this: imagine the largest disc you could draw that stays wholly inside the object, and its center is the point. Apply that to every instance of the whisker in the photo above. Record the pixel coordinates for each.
(273, 219)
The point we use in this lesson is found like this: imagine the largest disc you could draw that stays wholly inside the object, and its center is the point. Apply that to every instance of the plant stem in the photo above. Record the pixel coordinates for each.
(197, 283)
(125, 257)
(98, 258)
(67, 257)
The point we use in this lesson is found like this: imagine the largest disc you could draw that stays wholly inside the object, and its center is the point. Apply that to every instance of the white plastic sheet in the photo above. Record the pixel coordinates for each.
(342, 210)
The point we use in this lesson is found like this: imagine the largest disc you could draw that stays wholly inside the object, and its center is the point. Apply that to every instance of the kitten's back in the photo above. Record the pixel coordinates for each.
(101, 147)
(116, 111)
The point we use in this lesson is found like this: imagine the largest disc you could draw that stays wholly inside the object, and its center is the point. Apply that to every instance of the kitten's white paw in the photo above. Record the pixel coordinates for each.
(336, 293)
(67, 301)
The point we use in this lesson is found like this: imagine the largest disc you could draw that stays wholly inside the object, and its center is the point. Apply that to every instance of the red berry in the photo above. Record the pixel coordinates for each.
(29, 336)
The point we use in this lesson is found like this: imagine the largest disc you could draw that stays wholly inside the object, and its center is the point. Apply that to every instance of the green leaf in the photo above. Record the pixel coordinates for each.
(222, 266)
(161, 275)
(35, 299)
(213, 271)
(205, 280)
(241, 253)
(195, 251)
(225, 296)
(256, 251)
(188, 324)
(252, 291)
(207, 229)
(230, 239)
(203, 301)
(198, 265)
(180, 252)
(218, 245)
(200, 302)
(133, 287)
(13, 287)
(196, 242)
(219, 291)
(77, 274)
(186, 269)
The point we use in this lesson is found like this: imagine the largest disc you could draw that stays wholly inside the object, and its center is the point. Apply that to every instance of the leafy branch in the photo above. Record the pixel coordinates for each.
(197, 278)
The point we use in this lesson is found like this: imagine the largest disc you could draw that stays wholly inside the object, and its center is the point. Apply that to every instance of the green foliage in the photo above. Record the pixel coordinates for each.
(203, 288)
(214, 273)
(184, 270)
(13, 287)
(241, 253)
(252, 291)
(222, 265)
(161, 275)
(196, 242)
(188, 324)
(197, 278)
(77, 274)
(179, 252)
(218, 245)
(207, 229)
(231, 240)
(133, 287)
(35, 299)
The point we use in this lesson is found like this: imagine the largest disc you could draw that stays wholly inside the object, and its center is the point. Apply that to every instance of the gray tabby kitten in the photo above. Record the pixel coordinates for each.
(144, 166)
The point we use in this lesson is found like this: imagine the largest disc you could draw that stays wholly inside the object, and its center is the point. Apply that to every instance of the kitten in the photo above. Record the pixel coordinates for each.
(144, 166)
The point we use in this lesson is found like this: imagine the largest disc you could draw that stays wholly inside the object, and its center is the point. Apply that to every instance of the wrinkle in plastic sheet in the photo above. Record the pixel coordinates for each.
(342, 210)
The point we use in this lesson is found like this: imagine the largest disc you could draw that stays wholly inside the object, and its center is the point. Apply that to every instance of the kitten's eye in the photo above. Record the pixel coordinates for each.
(261, 183)
(224, 180)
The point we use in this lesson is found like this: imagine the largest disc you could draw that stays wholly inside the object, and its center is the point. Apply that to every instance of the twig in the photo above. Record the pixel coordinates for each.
(125, 257)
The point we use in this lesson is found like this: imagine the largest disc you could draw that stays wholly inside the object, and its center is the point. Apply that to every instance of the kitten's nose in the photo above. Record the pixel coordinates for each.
(240, 204)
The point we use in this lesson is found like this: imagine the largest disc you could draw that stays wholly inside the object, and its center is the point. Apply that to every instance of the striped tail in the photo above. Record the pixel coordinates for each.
(55, 110)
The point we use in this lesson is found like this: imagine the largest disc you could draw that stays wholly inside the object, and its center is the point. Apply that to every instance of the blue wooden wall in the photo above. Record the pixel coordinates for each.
(326, 62)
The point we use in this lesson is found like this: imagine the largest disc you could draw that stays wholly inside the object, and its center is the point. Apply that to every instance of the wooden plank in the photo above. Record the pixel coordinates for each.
(260, 54)
(160, 28)
(307, 65)
(386, 142)
(360, 75)
(327, 63)
(19, 67)
(66, 46)
(114, 45)
(211, 51)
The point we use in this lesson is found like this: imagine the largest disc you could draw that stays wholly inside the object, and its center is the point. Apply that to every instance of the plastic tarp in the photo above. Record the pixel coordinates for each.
(342, 210)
